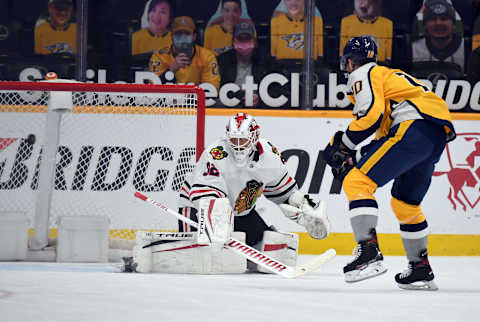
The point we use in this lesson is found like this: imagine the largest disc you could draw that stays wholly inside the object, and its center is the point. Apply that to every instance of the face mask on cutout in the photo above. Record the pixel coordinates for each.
(243, 47)
(183, 43)
(182, 40)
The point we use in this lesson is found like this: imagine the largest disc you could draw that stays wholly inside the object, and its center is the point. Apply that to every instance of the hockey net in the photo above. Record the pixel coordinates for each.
(114, 140)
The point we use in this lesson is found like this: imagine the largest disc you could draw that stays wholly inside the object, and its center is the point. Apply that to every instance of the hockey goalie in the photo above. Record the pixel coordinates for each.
(220, 196)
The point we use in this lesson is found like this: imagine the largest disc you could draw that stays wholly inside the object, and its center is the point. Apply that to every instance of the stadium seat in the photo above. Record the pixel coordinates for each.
(261, 11)
(401, 51)
(124, 12)
(9, 34)
(436, 70)
(466, 10)
(333, 11)
(28, 11)
(138, 63)
(331, 47)
(402, 13)
(197, 10)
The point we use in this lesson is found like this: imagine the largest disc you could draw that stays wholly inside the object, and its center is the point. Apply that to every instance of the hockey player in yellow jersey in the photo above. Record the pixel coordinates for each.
(57, 34)
(185, 62)
(412, 126)
(366, 20)
(287, 33)
(157, 36)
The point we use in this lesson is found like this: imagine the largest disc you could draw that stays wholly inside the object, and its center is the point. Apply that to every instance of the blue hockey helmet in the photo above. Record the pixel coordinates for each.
(361, 49)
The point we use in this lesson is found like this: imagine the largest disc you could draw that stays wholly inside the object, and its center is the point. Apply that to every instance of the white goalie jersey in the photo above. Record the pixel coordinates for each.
(217, 175)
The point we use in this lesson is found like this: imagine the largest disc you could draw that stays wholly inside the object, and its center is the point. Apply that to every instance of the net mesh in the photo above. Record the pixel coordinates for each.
(110, 145)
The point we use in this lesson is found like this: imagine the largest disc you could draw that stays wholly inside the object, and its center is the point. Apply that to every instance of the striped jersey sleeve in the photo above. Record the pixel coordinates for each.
(199, 191)
(279, 190)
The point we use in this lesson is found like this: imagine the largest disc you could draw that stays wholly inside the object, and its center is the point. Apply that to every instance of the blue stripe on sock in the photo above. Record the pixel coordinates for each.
(363, 203)
(414, 227)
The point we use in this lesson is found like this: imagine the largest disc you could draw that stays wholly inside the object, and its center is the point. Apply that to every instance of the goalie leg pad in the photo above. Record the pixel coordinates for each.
(280, 246)
(145, 240)
(189, 257)
(215, 222)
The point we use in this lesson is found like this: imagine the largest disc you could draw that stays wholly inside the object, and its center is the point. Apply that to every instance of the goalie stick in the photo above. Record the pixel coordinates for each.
(251, 253)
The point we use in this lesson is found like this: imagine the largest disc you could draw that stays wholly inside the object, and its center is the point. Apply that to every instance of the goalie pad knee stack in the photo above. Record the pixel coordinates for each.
(215, 222)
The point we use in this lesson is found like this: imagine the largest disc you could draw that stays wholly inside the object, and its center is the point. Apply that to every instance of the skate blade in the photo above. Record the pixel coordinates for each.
(369, 271)
(419, 286)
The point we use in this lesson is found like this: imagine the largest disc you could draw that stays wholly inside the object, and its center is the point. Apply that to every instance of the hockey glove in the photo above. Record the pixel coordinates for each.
(305, 212)
(341, 172)
(336, 153)
(353, 157)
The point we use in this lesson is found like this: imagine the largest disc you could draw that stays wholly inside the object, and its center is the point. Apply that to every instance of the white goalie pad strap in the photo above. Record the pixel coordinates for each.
(215, 221)
(281, 246)
(143, 258)
(189, 257)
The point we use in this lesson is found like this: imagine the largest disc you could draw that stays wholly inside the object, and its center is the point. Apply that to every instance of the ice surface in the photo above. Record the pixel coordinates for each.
(35, 292)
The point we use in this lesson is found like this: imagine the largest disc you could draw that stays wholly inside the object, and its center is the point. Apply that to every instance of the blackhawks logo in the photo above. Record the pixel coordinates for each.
(274, 149)
(218, 153)
(248, 196)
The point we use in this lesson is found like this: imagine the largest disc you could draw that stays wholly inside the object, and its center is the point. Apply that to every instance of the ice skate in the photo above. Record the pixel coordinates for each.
(368, 261)
(418, 275)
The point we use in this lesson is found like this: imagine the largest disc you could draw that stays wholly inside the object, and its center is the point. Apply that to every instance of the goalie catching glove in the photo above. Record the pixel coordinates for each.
(305, 212)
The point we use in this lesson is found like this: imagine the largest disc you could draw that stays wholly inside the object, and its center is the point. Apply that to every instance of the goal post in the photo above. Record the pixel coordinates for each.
(108, 141)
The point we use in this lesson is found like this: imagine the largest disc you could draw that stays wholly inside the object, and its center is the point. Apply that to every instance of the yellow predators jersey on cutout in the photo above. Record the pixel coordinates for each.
(475, 41)
(287, 39)
(217, 39)
(52, 40)
(203, 69)
(381, 28)
(143, 41)
(393, 96)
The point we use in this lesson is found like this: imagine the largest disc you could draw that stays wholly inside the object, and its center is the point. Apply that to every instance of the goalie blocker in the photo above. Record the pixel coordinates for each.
(202, 251)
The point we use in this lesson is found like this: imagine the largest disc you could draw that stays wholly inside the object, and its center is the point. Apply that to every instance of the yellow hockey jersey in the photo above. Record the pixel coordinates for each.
(384, 97)
(55, 40)
(218, 39)
(475, 41)
(203, 69)
(381, 28)
(144, 41)
(287, 39)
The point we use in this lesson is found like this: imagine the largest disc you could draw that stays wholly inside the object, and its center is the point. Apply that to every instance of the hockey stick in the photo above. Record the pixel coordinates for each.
(251, 253)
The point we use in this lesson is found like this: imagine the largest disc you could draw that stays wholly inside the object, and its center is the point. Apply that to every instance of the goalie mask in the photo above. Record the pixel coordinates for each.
(242, 135)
